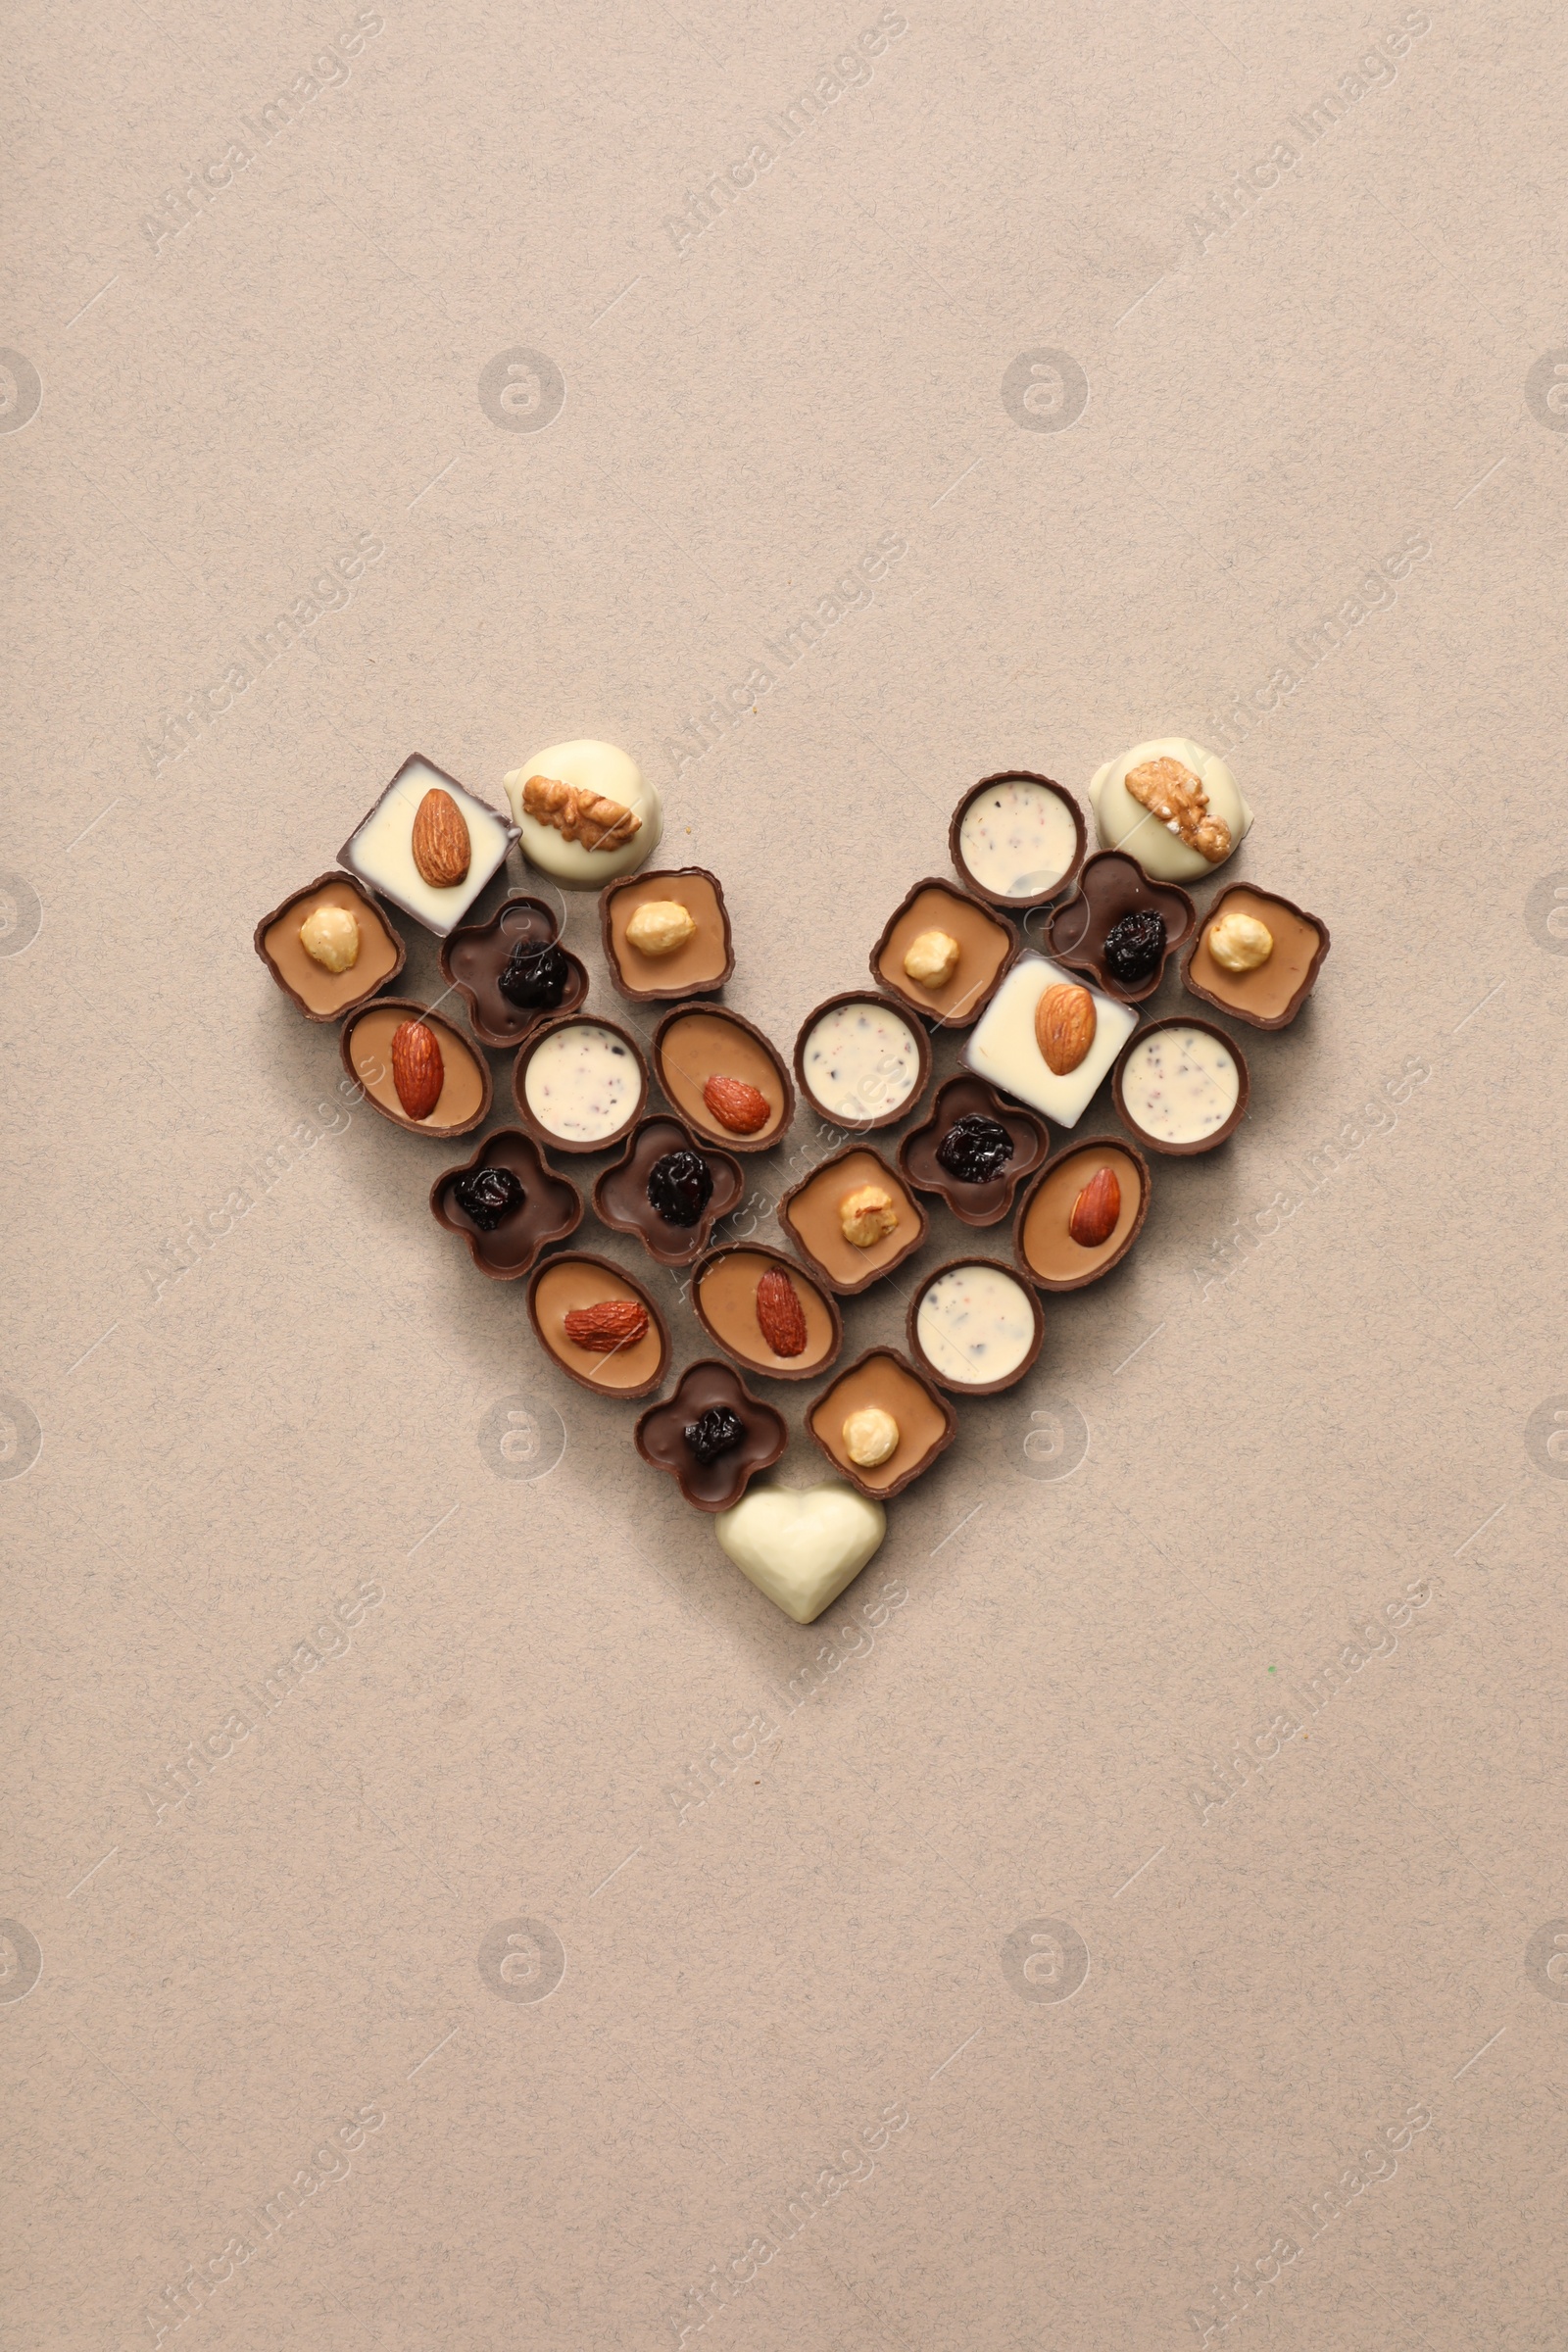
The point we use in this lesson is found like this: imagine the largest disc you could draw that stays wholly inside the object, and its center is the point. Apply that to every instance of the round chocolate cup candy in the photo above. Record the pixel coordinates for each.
(576, 1279)
(947, 1377)
(973, 1204)
(723, 1297)
(1038, 898)
(475, 955)
(1043, 1248)
(864, 1122)
(551, 1208)
(365, 1047)
(1271, 997)
(699, 1041)
(535, 1125)
(620, 1195)
(986, 942)
(927, 1422)
(809, 1213)
(698, 969)
(1111, 886)
(1204, 1143)
(719, 1485)
(320, 995)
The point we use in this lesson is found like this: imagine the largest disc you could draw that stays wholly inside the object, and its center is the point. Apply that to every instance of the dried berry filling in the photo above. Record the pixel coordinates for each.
(487, 1195)
(975, 1149)
(680, 1187)
(713, 1433)
(1135, 946)
(534, 975)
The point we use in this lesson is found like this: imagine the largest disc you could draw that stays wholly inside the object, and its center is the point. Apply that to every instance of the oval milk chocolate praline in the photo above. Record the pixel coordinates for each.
(975, 1325)
(860, 1060)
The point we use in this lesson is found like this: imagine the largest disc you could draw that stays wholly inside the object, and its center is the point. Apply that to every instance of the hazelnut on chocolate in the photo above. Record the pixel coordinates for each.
(870, 1437)
(865, 1214)
(659, 926)
(931, 959)
(1240, 942)
(330, 937)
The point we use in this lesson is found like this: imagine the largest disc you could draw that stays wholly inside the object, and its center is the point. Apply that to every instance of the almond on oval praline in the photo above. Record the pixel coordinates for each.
(1065, 1023)
(417, 1070)
(1096, 1211)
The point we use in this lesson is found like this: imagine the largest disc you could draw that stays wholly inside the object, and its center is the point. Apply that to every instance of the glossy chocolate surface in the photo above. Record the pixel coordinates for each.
(320, 995)
(1043, 1246)
(716, 1485)
(550, 1209)
(950, 1372)
(1270, 996)
(986, 945)
(538, 1125)
(703, 962)
(699, 1041)
(927, 1422)
(1110, 887)
(989, 1202)
(1025, 900)
(809, 1215)
(723, 1296)
(476, 955)
(365, 1047)
(1214, 1136)
(620, 1195)
(578, 1279)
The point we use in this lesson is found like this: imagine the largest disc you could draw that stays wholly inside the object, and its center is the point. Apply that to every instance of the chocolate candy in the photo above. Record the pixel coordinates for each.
(621, 1196)
(698, 1043)
(1272, 993)
(574, 1285)
(367, 1054)
(883, 1382)
(701, 963)
(711, 1436)
(725, 1296)
(506, 1245)
(986, 945)
(381, 848)
(956, 1151)
(520, 938)
(320, 994)
(1104, 932)
(1042, 1243)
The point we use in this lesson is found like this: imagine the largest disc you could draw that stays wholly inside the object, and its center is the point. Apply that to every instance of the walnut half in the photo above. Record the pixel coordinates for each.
(1174, 794)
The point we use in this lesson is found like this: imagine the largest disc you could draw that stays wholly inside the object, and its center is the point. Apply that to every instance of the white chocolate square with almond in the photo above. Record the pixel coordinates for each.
(380, 851)
(1005, 1048)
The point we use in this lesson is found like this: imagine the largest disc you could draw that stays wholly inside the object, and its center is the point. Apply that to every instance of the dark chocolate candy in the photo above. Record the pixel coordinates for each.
(1091, 934)
(475, 961)
(621, 1193)
(712, 1480)
(549, 1210)
(920, 1154)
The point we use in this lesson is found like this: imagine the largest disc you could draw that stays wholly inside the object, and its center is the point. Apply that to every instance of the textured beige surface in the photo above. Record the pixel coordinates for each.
(784, 1883)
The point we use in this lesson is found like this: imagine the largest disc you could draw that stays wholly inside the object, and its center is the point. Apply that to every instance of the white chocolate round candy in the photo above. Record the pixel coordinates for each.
(1124, 821)
(597, 770)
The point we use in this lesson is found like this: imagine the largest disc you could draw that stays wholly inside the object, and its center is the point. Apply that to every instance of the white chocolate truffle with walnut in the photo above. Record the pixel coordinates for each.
(590, 816)
(1175, 806)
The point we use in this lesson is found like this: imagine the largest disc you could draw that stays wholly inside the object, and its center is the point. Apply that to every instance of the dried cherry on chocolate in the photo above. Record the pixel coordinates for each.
(487, 1196)
(536, 974)
(1135, 946)
(713, 1433)
(975, 1149)
(680, 1187)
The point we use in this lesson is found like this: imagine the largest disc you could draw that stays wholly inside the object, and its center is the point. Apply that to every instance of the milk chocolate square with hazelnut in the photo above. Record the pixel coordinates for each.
(1272, 993)
(885, 1382)
(636, 929)
(935, 912)
(811, 1214)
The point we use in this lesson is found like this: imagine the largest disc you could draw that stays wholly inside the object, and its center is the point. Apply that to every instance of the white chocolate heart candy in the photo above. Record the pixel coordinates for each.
(802, 1545)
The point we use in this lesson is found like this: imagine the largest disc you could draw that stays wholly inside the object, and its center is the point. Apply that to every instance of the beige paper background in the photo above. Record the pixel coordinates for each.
(1231, 1454)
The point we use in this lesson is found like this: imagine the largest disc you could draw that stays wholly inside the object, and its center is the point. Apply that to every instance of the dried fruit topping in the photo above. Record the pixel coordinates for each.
(659, 926)
(1174, 794)
(866, 1215)
(680, 1186)
(578, 815)
(737, 1104)
(536, 974)
(440, 843)
(713, 1433)
(417, 1070)
(330, 937)
(487, 1195)
(780, 1317)
(1065, 1023)
(975, 1149)
(612, 1323)
(870, 1437)
(1096, 1211)
(1135, 947)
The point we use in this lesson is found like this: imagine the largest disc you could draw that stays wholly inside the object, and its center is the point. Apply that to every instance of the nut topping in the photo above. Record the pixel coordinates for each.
(330, 937)
(1065, 1023)
(1096, 1211)
(612, 1324)
(866, 1215)
(659, 925)
(440, 843)
(578, 815)
(780, 1317)
(737, 1104)
(931, 960)
(870, 1437)
(1240, 942)
(417, 1070)
(1172, 793)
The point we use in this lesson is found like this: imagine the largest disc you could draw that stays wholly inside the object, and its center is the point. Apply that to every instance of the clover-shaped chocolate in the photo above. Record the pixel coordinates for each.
(669, 1190)
(713, 1435)
(512, 973)
(505, 1204)
(974, 1150)
(1120, 929)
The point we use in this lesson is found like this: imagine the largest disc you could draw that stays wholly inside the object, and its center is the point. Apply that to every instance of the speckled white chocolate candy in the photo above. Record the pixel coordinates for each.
(1124, 823)
(802, 1545)
(1005, 1048)
(860, 1060)
(1016, 837)
(590, 768)
(975, 1324)
(581, 1083)
(1179, 1085)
